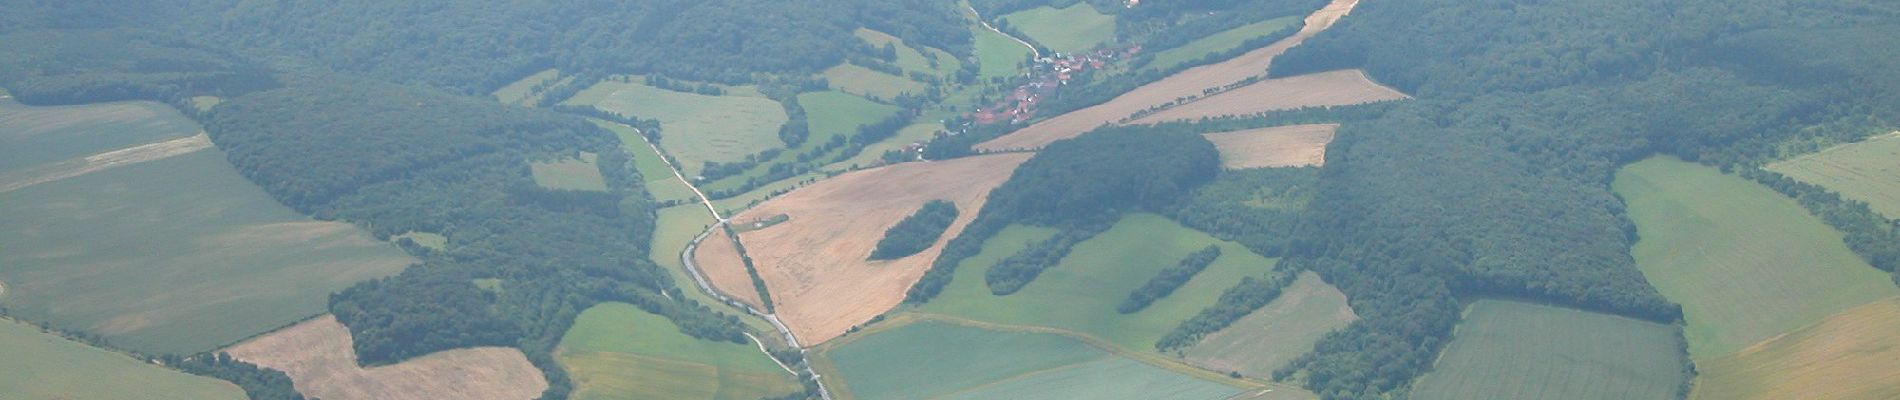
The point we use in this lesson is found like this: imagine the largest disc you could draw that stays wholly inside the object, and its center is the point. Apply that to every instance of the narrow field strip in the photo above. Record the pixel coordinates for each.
(103, 161)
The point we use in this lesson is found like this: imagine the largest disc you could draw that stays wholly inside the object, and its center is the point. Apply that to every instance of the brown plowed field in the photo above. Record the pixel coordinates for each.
(1280, 146)
(318, 357)
(719, 260)
(1332, 88)
(814, 264)
(1184, 84)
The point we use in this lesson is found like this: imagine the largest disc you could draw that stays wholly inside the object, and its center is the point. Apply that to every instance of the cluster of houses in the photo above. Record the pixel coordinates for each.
(1044, 78)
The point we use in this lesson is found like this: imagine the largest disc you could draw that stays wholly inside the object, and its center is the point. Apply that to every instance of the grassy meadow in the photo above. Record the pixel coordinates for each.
(1849, 356)
(580, 173)
(696, 128)
(177, 255)
(1077, 28)
(828, 114)
(617, 351)
(1513, 350)
(997, 55)
(31, 136)
(854, 79)
(1864, 171)
(37, 365)
(1081, 292)
(659, 178)
(910, 59)
(1274, 335)
(1779, 267)
(1218, 42)
(522, 92)
(972, 362)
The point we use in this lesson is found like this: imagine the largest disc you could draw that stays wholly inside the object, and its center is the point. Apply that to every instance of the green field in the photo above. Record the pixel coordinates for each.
(915, 133)
(674, 227)
(521, 92)
(911, 59)
(617, 351)
(1863, 171)
(32, 136)
(997, 55)
(1513, 350)
(933, 359)
(1849, 356)
(854, 79)
(1219, 42)
(696, 128)
(1077, 28)
(1745, 262)
(1274, 335)
(828, 114)
(36, 365)
(425, 239)
(177, 255)
(1080, 294)
(659, 178)
(581, 173)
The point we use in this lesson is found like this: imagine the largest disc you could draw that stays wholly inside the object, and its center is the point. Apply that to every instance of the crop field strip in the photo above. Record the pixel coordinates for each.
(318, 356)
(179, 255)
(1783, 268)
(1864, 171)
(857, 80)
(1512, 350)
(1854, 355)
(1218, 42)
(1324, 89)
(39, 365)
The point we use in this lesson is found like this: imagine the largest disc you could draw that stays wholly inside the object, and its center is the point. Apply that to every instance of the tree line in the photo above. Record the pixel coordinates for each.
(1167, 280)
(917, 232)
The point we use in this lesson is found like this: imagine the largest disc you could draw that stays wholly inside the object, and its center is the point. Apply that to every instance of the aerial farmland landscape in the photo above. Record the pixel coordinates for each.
(950, 199)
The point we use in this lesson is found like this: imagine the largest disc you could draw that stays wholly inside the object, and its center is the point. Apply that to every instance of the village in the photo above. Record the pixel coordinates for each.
(1044, 79)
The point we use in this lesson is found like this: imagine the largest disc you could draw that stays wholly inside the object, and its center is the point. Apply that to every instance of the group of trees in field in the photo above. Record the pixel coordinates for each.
(916, 232)
(1081, 185)
(1243, 298)
(1165, 282)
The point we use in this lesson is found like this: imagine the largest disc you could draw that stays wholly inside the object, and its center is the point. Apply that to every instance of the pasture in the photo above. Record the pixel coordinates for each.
(1853, 355)
(1280, 146)
(1074, 29)
(1274, 335)
(910, 59)
(38, 365)
(697, 128)
(828, 115)
(1332, 88)
(853, 79)
(1780, 268)
(973, 362)
(1218, 42)
(814, 263)
(523, 92)
(1080, 294)
(1863, 171)
(1189, 82)
(318, 357)
(1513, 350)
(579, 173)
(618, 351)
(32, 136)
(997, 55)
(659, 178)
(180, 255)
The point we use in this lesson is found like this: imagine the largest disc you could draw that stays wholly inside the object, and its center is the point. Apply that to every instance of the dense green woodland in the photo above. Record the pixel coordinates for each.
(917, 232)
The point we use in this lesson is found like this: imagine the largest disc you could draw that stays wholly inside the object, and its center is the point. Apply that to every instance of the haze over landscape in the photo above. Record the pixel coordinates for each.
(949, 199)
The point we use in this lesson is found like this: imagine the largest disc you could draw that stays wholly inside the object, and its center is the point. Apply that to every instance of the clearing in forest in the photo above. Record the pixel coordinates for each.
(979, 363)
(1745, 262)
(580, 173)
(911, 59)
(1864, 171)
(815, 264)
(1514, 350)
(658, 177)
(528, 90)
(618, 351)
(1074, 29)
(1854, 355)
(318, 357)
(1080, 294)
(1280, 146)
(697, 128)
(857, 80)
(1334, 88)
(179, 255)
(1187, 83)
(39, 365)
(1274, 335)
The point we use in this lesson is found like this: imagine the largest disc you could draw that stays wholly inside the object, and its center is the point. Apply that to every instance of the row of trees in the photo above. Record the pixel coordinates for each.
(1243, 298)
(1165, 282)
(916, 232)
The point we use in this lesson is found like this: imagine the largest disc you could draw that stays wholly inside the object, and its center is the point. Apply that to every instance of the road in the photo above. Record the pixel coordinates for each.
(986, 24)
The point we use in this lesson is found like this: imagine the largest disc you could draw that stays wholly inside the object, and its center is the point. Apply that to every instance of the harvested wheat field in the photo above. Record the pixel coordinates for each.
(1851, 355)
(719, 260)
(1186, 83)
(318, 357)
(1332, 88)
(814, 264)
(1280, 146)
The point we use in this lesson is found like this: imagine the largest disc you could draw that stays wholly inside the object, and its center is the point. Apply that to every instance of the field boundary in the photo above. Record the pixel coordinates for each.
(76, 167)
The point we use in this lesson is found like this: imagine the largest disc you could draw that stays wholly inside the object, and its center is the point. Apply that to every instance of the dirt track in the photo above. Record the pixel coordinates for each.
(814, 264)
(1280, 146)
(318, 357)
(1181, 85)
(102, 161)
